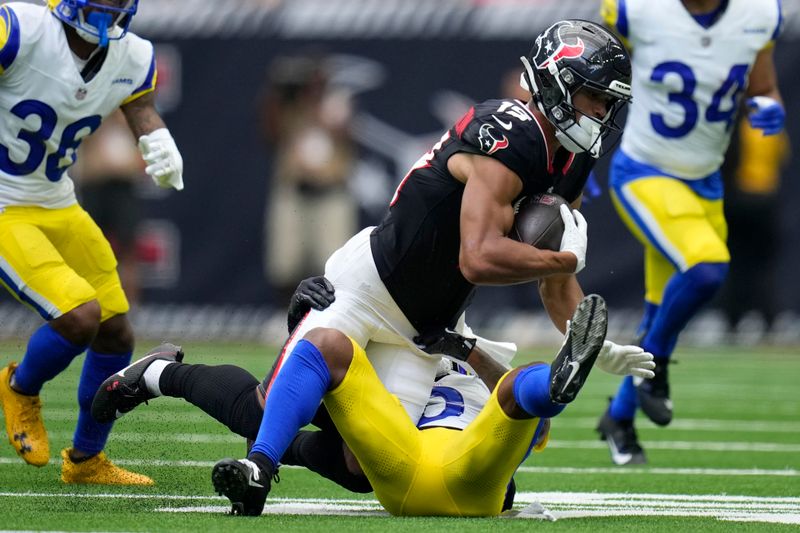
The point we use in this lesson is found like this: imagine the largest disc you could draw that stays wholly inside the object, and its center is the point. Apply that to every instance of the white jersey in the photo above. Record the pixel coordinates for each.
(46, 108)
(688, 80)
(457, 397)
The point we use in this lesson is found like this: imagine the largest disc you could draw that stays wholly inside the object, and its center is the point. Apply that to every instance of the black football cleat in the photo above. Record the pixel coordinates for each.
(123, 391)
(620, 435)
(653, 394)
(243, 483)
(587, 331)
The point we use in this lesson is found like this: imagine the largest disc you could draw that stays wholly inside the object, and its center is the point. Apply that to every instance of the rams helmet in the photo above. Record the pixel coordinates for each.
(96, 21)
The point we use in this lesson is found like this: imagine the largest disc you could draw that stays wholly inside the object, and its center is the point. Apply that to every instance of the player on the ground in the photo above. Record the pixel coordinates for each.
(63, 68)
(235, 398)
(692, 62)
(478, 442)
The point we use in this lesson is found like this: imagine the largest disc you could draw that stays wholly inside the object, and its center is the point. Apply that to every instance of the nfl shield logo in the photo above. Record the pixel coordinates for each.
(80, 94)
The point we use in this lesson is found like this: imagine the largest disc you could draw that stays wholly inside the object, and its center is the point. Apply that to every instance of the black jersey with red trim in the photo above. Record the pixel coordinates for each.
(416, 246)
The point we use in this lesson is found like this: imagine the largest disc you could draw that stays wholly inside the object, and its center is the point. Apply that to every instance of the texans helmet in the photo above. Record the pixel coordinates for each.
(568, 56)
(96, 21)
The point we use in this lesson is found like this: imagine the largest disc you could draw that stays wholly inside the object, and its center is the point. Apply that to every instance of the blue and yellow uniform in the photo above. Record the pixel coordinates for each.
(53, 257)
(689, 74)
(459, 464)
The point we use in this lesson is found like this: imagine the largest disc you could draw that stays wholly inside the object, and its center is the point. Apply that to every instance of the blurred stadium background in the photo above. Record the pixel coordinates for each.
(397, 74)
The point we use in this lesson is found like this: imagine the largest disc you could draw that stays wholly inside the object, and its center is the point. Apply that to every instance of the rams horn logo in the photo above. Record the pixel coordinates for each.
(552, 49)
(488, 140)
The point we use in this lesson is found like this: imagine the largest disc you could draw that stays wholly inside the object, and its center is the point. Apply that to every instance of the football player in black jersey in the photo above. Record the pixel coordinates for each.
(445, 232)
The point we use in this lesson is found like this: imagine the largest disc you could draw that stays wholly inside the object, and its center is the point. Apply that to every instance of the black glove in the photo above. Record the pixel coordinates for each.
(446, 342)
(312, 293)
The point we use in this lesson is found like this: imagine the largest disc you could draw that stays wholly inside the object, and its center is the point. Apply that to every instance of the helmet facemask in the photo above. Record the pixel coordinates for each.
(96, 21)
(556, 71)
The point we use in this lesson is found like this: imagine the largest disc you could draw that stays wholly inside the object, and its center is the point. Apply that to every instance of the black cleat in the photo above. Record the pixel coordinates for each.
(243, 483)
(587, 331)
(653, 394)
(620, 435)
(123, 391)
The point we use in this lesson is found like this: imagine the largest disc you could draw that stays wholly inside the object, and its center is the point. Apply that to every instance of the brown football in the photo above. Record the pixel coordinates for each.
(538, 221)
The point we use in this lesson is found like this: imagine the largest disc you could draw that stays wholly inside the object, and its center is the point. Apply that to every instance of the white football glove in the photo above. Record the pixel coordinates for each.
(624, 360)
(574, 240)
(164, 161)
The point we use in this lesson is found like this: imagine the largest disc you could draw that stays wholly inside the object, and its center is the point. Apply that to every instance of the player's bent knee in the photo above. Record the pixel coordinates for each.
(115, 335)
(335, 346)
(707, 277)
(79, 325)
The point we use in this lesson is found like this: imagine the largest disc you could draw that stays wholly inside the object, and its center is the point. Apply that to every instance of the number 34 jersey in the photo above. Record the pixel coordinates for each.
(46, 107)
(688, 80)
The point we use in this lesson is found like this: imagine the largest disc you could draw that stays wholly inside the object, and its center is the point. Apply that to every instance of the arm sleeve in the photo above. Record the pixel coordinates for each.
(9, 38)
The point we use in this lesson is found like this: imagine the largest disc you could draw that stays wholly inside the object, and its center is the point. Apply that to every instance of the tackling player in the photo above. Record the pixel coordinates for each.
(63, 68)
(461, 465)
(692, 62)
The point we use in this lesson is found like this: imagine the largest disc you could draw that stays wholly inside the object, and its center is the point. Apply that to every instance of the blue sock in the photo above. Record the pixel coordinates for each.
(48, 354)
(293, 400)
(532, 392)
(684, 295)
(91, 436)
(623, 406)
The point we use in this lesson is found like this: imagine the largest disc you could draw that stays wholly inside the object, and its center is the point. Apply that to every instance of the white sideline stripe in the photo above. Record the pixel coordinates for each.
(525, 469)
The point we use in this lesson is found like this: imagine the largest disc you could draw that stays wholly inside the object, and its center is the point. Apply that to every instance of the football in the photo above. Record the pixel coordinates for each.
(538, 221)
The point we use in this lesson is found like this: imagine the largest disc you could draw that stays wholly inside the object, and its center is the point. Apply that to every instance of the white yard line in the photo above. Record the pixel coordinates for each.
(706, 446)
(779, 510)
(574, 505)
(786, 472)
(661, 471)
(695, 424)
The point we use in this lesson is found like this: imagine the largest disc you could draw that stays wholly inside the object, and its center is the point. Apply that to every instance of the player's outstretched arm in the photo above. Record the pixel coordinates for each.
(164, 161)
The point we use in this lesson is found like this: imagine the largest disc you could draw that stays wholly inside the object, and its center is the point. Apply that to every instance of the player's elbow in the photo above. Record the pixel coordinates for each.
(475, 267)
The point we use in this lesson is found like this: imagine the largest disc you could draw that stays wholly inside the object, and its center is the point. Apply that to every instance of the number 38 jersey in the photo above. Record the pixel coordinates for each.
(688, 80)
(46, 108)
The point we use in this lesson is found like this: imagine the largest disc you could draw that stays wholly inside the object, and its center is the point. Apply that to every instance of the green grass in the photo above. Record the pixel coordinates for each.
(723, 397)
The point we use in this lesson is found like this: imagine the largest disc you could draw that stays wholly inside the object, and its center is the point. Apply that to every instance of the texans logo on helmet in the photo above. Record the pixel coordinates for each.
(552, 47)
(490, 143)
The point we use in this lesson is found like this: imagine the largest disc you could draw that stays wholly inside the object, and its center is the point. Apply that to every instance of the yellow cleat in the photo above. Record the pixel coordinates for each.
(24, 424)
(98, 470)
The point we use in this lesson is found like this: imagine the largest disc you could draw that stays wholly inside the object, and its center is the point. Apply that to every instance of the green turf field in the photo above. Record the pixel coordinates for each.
(729, 462)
